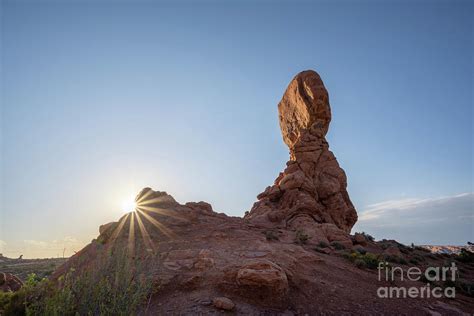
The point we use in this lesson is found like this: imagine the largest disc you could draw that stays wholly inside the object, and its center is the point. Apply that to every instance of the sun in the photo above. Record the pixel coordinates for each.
(129, 205)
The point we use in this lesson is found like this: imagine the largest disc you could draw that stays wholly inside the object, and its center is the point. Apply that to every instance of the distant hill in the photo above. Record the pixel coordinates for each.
(448, 249)
(22, 267)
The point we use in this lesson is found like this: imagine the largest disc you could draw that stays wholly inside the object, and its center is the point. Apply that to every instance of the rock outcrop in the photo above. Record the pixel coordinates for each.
(9, 282)
(313, 185)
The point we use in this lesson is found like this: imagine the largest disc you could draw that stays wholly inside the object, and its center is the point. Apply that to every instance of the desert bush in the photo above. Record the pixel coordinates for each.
(323, 244)
(370, 260)
(301, 237)
(465, 256)
(14, 303)
(5, 298)
(115, 286)
(367, 236)
(321, 250)
(413, 261)
(395, 259)
(337, 245)
(404, 249)
(359, 263)
(419, 258)
(321, 247)
(271, 235)
(361, 250)
(402, 260)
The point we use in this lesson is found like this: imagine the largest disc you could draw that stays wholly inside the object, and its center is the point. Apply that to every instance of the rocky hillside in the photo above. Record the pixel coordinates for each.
(291, 254)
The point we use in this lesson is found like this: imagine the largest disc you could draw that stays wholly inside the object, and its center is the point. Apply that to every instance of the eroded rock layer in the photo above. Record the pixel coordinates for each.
(313, 185)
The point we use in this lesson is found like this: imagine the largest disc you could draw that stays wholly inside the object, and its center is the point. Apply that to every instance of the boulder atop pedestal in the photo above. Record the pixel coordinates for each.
(313, 185)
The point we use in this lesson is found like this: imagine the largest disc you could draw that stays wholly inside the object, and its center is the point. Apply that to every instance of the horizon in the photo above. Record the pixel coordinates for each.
(100, 100)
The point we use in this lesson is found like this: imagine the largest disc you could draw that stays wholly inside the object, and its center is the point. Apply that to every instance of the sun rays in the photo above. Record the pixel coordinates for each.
(137, 216)
(145, 235)
(131, 236)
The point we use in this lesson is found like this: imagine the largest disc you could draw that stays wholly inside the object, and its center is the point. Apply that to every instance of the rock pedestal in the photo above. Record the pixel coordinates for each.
(313, 185)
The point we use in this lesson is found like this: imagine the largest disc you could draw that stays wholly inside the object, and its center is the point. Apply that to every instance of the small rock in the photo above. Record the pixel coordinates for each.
(9, 282)
(223, 303)
(263, 275)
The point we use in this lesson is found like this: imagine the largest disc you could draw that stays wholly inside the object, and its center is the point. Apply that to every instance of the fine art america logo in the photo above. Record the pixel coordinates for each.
(430, 275)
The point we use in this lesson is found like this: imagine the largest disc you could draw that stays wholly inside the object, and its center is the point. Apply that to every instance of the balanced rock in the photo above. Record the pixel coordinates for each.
(313, 185)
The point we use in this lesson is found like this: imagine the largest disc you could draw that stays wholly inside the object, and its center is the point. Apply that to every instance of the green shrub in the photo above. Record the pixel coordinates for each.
(361, 250)
(359, 263)
(368, 236)
(414, 261)
(348, 255)
(465, 256)
(404, 249)
(116, 286)
(14, 303)
(271, 235)
(419, 258)
(323, 244)
(301, 237)
(337, 245)
(321, 250)
(395, 259)
(370, 260)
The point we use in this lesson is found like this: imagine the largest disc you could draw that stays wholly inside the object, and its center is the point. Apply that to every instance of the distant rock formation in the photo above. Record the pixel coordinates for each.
(312, 185)
(448, 249)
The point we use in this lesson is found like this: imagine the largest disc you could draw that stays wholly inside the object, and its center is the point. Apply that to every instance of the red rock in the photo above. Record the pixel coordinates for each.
(201, 206)
(360, 239)
(312, 174)
(9, 282)
(223, 303)
(261, 274)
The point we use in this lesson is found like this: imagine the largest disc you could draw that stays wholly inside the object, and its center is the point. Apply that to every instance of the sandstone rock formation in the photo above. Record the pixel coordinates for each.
(9, 282)
(312, 186)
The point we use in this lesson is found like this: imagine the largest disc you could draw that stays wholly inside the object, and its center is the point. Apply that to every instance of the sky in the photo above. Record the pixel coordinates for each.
(102, 98)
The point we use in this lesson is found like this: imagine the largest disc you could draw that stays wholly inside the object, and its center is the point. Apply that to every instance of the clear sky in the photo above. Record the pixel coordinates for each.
(102, 98)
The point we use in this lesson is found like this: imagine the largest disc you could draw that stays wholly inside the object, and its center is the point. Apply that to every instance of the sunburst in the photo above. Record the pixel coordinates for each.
(137, 212)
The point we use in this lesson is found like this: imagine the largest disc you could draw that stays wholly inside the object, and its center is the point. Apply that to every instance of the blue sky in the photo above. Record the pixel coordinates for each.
(100, 99)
